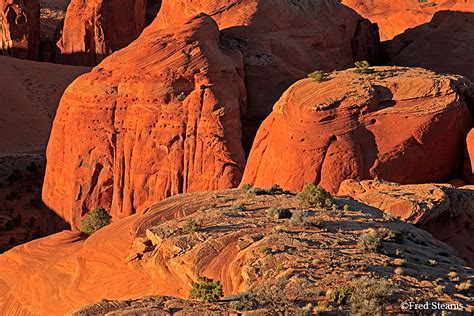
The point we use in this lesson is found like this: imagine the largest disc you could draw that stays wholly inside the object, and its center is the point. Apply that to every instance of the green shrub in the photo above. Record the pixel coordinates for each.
(95, 220)
(316, 196)
(341, 296)
(206, 289)
(318, 76)
(363, 67)
(247, 187)
(191, 225)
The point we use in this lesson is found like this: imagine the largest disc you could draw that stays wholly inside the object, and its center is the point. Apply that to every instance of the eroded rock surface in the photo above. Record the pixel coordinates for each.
(234, 239)
(282, 41)
(19, 28)
(398, 124)
(395, 17)
(444, 211)
(158, 118)
(93, 29)
(440, 45)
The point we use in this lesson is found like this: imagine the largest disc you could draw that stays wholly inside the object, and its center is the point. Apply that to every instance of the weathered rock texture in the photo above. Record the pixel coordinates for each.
(468, 174)
(19, 28)
(444, 211)
(93, 29)
(154, 254)
(395, 17)
(157, 118)
(441, 45)
(282, 41)
(398, 124)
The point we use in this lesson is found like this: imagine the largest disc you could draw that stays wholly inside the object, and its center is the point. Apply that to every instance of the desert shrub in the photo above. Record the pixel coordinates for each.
(318, 76)
(247, 187)
(370, 296)
(389, 235)
(370, 241)
(389, 217)
(299, 218)
(279, 213)
(191, 225)
(363, 67)
(276, 189)
(206, 289)
(181, 96)
(95, 220)
(316, 196)
(341, 296)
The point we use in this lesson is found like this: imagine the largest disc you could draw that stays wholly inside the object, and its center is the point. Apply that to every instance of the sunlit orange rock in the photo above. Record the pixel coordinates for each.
(282, 41)
(395, 17)
(157, 118)
(93, 29)
(399, 124)
(440, 45)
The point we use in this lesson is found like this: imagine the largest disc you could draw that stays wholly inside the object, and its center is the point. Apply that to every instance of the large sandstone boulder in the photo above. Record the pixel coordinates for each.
(158, 118)
(441, 45)
(19, 28)
(398, 124)
(395, 17)
(282, 41)
(444, 211)
(93, 29)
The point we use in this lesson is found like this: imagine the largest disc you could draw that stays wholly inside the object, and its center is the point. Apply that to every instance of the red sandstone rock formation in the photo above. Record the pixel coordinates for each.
(157, 118)
(19, 28)
(468, 174)
(440, 45)
(395, 17)
(442, 210)
(282, 41)
(398, 124)
(94, 29)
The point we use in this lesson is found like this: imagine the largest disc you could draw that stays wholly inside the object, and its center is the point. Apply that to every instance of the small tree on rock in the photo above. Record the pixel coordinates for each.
(95, 220)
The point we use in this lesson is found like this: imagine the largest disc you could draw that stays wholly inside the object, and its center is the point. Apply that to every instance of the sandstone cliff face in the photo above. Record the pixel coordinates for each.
(19, 28)
(93, 29)
(440, 45)
(398, 124)
(444, 211)
(153, 254)
(158, 118)
(395, 17)
(282, 41)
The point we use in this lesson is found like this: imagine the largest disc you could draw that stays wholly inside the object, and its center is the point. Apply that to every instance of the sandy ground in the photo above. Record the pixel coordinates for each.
(29, 95)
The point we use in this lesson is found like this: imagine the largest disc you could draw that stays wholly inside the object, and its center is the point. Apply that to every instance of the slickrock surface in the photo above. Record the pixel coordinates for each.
(29, 98)
(441, 45)
(282, 41)
(157, 118)
(93, 29)
(234, 239)
(399, 124)
(444, 211)
(19, 28)
(395, 17)
(468, 172)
